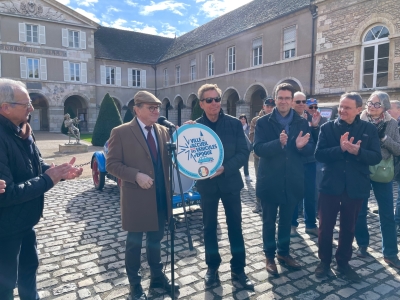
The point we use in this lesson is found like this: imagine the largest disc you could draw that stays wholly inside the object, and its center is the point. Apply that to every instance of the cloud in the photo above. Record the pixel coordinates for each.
(65, 2)
(171, 5)
(86, 3)
(88, 15)
(216, 8)
(110, 9)
(167, 30)
(131, 3)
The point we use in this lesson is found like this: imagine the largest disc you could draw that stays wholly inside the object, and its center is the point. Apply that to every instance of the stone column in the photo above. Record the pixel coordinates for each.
(243, 108)
(185, 114)
(92, 113)
(56, 118)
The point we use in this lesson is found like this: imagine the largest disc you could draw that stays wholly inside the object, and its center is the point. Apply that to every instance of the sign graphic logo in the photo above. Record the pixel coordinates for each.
(199, 151)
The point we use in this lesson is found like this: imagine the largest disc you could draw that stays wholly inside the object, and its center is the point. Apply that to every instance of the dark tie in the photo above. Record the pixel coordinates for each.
(152, 143)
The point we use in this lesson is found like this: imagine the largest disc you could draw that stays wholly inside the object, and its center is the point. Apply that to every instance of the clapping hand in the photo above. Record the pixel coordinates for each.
(346, 144)
(2, 186)
(316, 118)
(65, 171)
(283, 137)
(302, 140)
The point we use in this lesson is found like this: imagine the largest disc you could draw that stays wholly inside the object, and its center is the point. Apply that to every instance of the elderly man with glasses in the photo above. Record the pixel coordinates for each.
(26, 178)
(137, 154)
(226, 185)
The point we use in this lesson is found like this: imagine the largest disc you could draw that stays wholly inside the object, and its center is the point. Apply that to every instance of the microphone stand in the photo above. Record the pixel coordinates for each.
(172, 152)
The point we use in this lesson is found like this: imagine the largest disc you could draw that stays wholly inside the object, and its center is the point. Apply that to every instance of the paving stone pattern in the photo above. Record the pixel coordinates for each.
(81, 247)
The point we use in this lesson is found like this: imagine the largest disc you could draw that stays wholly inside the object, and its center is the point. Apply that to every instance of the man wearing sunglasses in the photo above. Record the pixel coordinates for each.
(282, 140)
(307, 108)
(137, 154)
(269, 104)
(26, 179)
(226, 185)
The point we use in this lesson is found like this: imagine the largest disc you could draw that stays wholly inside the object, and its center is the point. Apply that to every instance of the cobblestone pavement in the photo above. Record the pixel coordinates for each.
(81, 247)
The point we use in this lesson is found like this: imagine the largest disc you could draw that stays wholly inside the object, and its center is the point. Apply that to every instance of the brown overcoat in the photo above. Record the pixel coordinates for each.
(129, 154)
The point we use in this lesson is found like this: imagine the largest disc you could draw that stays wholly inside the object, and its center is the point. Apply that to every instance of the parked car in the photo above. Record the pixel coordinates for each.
(329, 110)
(99, 172)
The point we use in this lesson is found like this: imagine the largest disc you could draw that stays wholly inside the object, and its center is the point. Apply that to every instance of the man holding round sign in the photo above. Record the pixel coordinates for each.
(226, 185)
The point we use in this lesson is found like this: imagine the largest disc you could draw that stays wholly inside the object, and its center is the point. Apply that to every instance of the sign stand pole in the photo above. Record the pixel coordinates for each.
(172, 152)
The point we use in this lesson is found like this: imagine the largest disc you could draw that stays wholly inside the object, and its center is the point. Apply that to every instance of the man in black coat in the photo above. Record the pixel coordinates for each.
(347, 147)
(27, 178)
(226, 185)
(282, 140)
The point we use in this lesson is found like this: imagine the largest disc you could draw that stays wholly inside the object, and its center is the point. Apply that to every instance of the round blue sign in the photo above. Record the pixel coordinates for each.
(199, 151)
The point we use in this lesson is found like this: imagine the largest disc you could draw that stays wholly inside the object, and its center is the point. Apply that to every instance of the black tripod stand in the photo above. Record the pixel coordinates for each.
(172, 153)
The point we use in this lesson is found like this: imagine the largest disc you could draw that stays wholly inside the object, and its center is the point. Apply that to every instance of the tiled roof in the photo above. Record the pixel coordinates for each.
(245, 17)
(129, 46)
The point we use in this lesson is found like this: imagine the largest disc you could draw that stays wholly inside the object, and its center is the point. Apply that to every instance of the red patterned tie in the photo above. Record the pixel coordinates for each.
(152, 143)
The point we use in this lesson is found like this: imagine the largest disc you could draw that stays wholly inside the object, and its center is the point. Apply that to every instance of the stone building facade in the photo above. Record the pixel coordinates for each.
(357, 48)
(71, 62)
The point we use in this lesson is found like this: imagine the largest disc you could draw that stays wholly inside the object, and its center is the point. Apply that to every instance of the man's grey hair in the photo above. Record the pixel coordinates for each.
(299, 93)
(353, 96)
(383, 99)
(7, 88)
(395, 102)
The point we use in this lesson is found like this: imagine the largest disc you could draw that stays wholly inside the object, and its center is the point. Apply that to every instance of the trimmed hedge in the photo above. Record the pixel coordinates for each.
(197, 111)
(108, 118)
(128, 116)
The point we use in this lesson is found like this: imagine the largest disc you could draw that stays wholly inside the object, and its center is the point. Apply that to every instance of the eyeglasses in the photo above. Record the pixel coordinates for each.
(209, 100)
(376, 104)
(153, 108)
(300, 101)
(287, 99)
(26, 105)
(313, 107)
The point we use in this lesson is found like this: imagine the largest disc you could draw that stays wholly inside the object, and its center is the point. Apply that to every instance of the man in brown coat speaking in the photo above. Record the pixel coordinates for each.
(137, 155)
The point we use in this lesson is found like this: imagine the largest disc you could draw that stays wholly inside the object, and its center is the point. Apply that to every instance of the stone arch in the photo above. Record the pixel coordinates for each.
(40, 115)
(129, 105)
(254, 96)
(118, 103)
(78, 105)
(291, 80)
(165, 107)
(374, 20)
(179, 105)
(230, 98)
(80, 95)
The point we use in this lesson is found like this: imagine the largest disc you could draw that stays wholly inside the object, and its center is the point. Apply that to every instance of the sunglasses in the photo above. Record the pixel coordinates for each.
(313, 107)
(300, 101)
(376, 104)
(209, 100)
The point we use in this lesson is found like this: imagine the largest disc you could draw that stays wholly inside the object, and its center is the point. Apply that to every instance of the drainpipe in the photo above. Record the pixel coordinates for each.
(314, 14)
(155, 79)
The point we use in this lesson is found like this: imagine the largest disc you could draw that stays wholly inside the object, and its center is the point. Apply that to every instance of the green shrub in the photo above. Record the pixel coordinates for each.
(197, 111)
(108, 118)
(128, 116)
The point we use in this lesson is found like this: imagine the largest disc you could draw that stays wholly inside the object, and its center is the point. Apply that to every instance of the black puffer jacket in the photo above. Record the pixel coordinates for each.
(22, 203)
(230, 131)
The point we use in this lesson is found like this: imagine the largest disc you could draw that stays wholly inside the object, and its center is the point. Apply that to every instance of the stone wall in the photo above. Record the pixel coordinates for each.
(341, 26)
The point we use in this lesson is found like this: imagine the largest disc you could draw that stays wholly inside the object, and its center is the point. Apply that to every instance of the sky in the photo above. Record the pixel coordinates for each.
(166, 18)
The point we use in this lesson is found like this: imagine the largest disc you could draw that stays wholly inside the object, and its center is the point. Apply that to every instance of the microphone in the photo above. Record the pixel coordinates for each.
(163, 121)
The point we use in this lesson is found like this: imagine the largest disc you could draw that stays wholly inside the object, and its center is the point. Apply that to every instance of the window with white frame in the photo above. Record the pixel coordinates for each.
(257, 52)
(33, 68)
(231, 59)
(136, 80)
(32, 33)
(165, 77)
(193, 69)
(289, 42)
(177, 74)
(210, 65)
(73, 38)
(74, 71)
(375, 56)
(110, 75)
